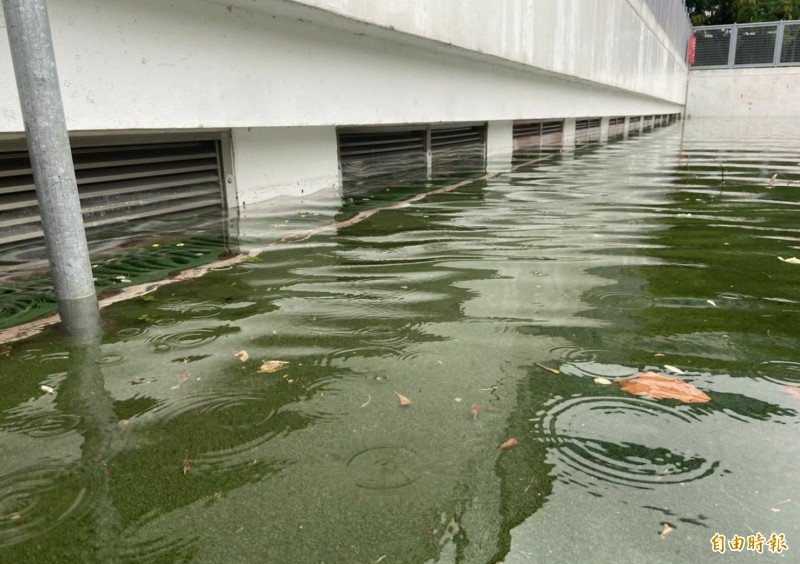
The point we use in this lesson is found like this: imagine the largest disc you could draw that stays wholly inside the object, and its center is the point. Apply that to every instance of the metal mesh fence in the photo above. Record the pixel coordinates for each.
(745, 45)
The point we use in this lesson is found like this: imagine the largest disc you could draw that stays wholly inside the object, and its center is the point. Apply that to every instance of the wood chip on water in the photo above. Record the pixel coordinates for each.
(551, 370)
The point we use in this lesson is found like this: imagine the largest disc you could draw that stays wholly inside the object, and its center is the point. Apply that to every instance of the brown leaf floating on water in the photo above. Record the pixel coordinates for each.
(475, 410)
(404, 401)
(551, 370)
(269, 366)
(510, 443)
(651, 385)
(242, 355)
(792, 391)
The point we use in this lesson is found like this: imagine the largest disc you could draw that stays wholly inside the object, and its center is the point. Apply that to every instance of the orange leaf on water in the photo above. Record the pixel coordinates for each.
(792, 391)
(509, 444)
(475, 410)
(651, 385)
(404, 401)
(272, 366)
(242, 355)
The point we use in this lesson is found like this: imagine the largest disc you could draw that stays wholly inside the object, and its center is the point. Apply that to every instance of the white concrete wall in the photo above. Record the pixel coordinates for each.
(256, 66)
(744, 92)
(612, 42)
(269, 162)
(187, 64)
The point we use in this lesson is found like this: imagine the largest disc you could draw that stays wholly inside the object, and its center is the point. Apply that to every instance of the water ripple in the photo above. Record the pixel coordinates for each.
(38, 498)
(585, 435)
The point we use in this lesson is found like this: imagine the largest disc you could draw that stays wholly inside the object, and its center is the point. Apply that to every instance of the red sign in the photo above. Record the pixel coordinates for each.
(692, 48)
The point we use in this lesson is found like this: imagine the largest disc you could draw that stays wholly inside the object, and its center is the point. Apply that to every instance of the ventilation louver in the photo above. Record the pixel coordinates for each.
(117, 184)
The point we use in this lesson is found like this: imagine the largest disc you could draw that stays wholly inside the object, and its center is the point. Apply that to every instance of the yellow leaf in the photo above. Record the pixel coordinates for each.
(269, 366)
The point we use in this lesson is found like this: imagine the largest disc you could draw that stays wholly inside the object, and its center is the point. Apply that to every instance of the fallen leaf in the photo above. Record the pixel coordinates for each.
(791, 260)
(182, 379)
(242, 355)
(774, 509)
(404, 401)
(551, 370)
(659, 354)
(792, 391)
(603, 381)
(673, 369)
(649, 384)
(47, 389)
(269, 366)
(457, 400)
(711, 302)
(510, 443)
(475, 410)
(186, 463)
(667, 529)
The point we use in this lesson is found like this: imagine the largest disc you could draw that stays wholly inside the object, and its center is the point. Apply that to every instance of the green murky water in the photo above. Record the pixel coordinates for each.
(160, 445)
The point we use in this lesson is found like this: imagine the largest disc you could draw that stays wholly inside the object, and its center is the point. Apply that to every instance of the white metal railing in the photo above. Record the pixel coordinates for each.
(745, 45)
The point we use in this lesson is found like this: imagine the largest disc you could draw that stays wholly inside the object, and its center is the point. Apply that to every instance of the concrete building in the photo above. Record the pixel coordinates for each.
(191, 104)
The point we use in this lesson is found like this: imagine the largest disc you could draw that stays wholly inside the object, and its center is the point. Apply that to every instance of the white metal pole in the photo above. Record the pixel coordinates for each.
(51, 159)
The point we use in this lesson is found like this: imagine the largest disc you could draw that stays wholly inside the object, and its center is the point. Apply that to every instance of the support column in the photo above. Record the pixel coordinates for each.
(604, 129)
(626, 127)
(568, 135)
(51, 160)
(499, 145)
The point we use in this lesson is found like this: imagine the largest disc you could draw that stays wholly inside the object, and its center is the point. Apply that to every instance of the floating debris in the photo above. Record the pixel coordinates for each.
(269, 366)
(551, 370)
(655, 386)
(510, 443)
(404, 401)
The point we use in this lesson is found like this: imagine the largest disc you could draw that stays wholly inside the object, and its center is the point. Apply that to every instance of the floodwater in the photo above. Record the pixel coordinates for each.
(657, 253)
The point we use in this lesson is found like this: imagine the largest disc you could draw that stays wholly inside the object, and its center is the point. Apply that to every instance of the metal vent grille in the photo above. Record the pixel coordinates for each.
(616, 127)
(117, 184)
(527, 135)
(364, 154)
(534, 134)
(648, 122)
(587, 131)
(633, 124)
(552, 133)
(456, 148)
